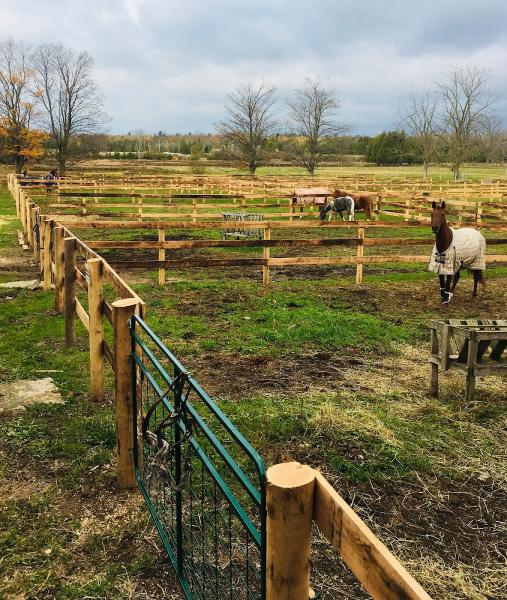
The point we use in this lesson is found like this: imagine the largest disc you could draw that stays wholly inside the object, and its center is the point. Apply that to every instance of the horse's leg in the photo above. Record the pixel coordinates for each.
(442, 286)
(477, 277)
(447, 294)
(455, 280)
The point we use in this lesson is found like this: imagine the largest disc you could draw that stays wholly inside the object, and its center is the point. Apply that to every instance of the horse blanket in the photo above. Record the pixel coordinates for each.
(467, 250)
(307, 196)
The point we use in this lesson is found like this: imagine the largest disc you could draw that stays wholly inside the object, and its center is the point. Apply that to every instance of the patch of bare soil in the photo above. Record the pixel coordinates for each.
(236, 376)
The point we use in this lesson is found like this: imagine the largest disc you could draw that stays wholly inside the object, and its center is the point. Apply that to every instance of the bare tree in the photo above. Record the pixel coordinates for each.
(17, 100)
(492, 139)
(467, 100)
(418, 118)
(71, 101)
(312, 118)
(250, 122)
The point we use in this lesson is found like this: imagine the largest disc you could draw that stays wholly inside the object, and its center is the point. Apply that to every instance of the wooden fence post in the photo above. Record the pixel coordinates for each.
(40, 258)
(29, 220)
(406, 217)
(289, 502)
(161, 256)
(434, 366)
(478, 218)
(265, 255)
(21, 201)
(28, 203)
(96, 329)
(70, 290)
(471, 360)
(15, 193)
(58, 235)
(35, 249)
(47, 255)
(123, 310)
(360, 254)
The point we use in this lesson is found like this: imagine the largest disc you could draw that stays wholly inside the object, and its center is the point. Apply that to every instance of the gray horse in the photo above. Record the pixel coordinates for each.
(342, 204)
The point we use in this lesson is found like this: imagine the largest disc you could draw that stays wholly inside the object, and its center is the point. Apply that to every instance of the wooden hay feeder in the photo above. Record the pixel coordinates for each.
(477, 347)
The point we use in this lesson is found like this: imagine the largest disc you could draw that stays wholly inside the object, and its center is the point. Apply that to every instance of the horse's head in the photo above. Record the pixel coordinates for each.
(437, 216)
(324, 210)
(339, 193)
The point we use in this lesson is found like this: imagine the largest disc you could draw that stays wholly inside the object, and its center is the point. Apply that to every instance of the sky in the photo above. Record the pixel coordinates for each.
(169, 64)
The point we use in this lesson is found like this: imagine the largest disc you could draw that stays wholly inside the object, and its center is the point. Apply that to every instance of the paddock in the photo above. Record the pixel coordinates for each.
(290, 359)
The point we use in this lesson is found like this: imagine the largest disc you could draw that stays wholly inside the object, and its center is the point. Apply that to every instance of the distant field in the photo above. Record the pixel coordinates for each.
(475, 171)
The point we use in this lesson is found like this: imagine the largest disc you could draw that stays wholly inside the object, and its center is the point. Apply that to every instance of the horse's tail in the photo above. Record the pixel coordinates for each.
(480, 276)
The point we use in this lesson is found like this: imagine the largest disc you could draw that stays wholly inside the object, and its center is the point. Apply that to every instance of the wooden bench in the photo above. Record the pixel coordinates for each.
(477, 347)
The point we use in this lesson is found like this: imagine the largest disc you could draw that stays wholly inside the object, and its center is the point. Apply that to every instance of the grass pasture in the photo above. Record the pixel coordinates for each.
(310, 368)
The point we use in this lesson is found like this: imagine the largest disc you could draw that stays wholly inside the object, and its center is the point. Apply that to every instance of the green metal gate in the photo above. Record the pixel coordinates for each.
(203, 483)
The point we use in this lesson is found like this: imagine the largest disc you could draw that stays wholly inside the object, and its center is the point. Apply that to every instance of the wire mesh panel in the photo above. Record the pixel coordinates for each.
(203, 482)
(247, 232)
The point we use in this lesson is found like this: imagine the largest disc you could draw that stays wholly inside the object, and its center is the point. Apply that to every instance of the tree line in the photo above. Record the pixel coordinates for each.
(50, 105)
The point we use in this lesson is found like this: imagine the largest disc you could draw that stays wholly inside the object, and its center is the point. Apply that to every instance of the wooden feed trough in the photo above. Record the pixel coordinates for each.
(477, 347)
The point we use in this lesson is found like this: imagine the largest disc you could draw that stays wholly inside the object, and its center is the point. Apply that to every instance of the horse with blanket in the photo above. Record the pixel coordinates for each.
(455, 249)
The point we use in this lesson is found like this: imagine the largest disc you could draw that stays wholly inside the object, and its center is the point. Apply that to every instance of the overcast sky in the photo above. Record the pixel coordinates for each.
(169, 64)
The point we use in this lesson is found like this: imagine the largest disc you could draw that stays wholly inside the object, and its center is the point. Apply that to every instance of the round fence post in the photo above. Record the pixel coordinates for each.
(70, 290)
(289, 505)
(360, 255)
(47, 255)
(266, 255)
(59, 234)
(161, 256)
(123, 310)
(96, 329)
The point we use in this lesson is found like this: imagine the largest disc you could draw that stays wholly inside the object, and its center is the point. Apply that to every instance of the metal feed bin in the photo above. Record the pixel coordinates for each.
(250, 232)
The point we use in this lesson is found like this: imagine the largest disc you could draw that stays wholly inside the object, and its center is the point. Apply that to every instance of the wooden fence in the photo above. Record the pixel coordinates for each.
(295, 494)
(360, 241)
(177, 220)
(74, 269)
(399, 199)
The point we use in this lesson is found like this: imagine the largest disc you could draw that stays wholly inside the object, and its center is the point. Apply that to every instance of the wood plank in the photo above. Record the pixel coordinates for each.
(108, 311)
(280, 224)
(108, 353)
(81, 279)
(83, 315)
(380, 573)
(297, 243)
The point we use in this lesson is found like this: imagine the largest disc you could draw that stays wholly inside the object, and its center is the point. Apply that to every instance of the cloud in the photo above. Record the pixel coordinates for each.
(133, 8)
(169, 64)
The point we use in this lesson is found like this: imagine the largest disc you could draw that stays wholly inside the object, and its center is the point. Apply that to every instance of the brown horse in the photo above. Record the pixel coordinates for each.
(454, 250)
(361, 201)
